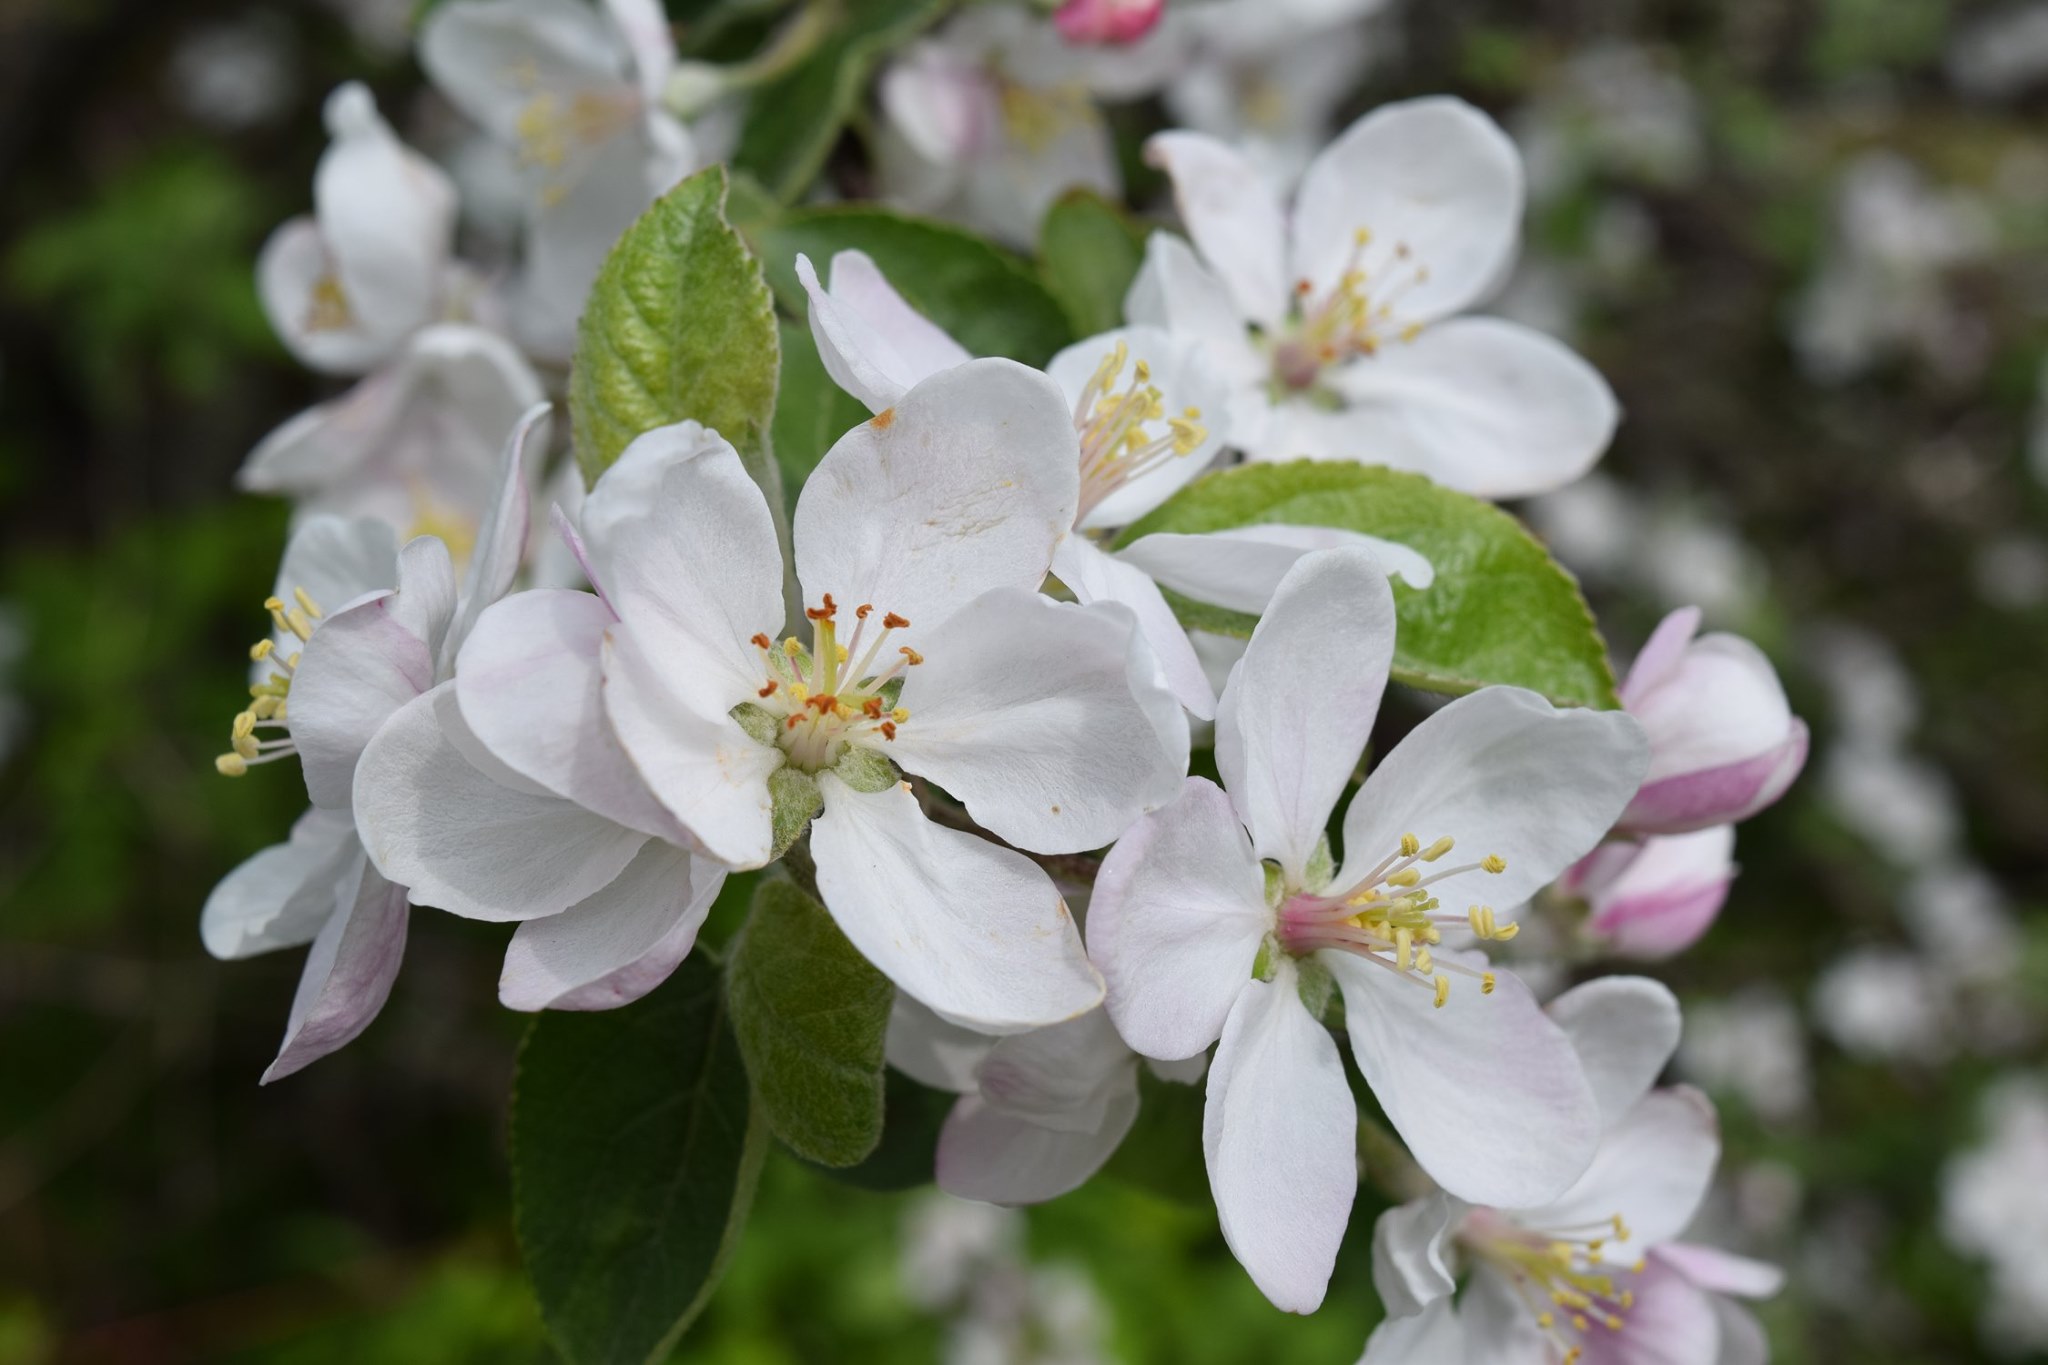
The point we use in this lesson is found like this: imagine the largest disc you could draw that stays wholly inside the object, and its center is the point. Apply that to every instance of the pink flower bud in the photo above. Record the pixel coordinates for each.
(1657, 898)
(1107, 22)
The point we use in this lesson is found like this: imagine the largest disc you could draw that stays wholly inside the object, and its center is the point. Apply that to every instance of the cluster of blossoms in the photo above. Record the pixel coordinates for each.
(578, 711)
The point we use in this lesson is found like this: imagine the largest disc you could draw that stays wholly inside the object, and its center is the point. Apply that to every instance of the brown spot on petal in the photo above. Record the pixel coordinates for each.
(882, 419)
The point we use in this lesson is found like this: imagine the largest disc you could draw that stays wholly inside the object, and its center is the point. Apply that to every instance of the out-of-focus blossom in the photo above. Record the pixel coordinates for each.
(235, 75)
(2012, 572)
(384, 26)
(968, 1262)
(1266, 86)
(1112, 22)
(2002, 54)
(1751, 1045)
(1656, 898)
(1616, 109)
(1336, 323)
(1882, 1003)
(1994, 1205)
(1724, 743)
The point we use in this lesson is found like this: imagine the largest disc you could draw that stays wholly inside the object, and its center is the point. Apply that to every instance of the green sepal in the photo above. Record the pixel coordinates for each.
(866, 770)
(760, 723)
(796, 798)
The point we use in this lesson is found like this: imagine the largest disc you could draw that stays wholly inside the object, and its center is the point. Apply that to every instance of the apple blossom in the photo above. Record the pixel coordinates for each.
(1141, 440)
(1657, 897)
(346, 286)
(1334, 321)
(920, 541)
(1724, 743)
(1224, 917)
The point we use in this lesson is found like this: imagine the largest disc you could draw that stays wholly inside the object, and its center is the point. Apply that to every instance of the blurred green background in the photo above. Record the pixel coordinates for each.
(1808, 244)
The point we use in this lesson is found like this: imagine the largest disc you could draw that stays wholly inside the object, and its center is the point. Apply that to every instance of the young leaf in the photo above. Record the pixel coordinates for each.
(793, 121)
(635, 1149)
(812, 413)
(1089, 252)
(986, 297)
(810, 1014)
(678, 326)
(1500, 611)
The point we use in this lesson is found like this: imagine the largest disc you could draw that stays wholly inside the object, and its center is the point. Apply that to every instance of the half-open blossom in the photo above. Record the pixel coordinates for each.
(348, 663)
(1223, 916)
(921, 539)
(1335, 319)
(347, 285)
(1656, 897)
(1724, 743)
(1113, 22)
(576, 90)
(416, 444)
(1143, 409)
(1596, 1276)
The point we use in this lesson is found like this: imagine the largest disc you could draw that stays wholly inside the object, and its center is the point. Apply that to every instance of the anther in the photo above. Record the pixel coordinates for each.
(261, 650)
(892, 621)
(1410, 846)
(910, 655)
(769, 690)
(1486, 983)
(761, 640)
(231, 765)
(307, 604)
(1494, 863)
(1443, 990)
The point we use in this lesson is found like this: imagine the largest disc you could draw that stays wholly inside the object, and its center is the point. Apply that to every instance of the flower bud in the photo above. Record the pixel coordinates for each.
(1107, 22)
(1654, 899)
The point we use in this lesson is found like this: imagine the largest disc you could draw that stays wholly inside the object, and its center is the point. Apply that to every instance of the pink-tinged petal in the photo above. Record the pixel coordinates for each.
(618, 944)
(1485, 1090)
(531, 690)
(280, 897)
(965, 485)
(1409, 1267)
(941, 103)
(1433, 1336)
(1111, 22)
(1624, 1029)
(1176, 293)
(1482, 405)
(1667, 896)
(1300, 705)
(1066, 1077)
(1175, 923)
(933, 1051)
(684, 548)
(1241, 568)
(709, 773)
(1093, 576)
(1000, 1157)
(348, 974)
(1031, 712)
(501, 536)
(466, 843)
(1279, 1130)
(1722, 1272)
(873, 343)
(1434, 176)
(1669, 1323)
(1500, 1325)
(359, 667)
(1662, 654)
(1231, 212)
(1724, 795)
(1652, 1170)
(1504, 773)
(425, 601)
(975, 931)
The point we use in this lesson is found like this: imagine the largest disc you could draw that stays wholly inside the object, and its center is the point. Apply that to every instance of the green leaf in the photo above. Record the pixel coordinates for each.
(678, 326)
(794, 798)
(636, 1146)
(1089, 251)
(793, 121)
(987, 298)
(813, 411)
(1500, 611)
(908, 1152)
(810, 1014)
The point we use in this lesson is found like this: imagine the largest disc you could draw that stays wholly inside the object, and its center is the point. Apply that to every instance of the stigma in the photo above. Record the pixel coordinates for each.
(261, 732)
(1355, 318)
(1394, 918)
(1125, 430)
(828, 696)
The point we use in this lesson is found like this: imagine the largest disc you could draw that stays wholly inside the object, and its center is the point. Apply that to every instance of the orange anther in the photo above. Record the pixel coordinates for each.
(895, 622)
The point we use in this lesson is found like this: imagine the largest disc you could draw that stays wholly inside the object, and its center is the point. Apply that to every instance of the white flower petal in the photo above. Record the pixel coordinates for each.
(466, 844)
(967, 484)
(1000, 1157)
(1094, 576)
(1742, 1337)
(618, 944)
(425, 601)
(1434, 1336)
(1064, 1077)
(1409, 1268)
(1668, 1323)
(360, 665)
(933, 1051)
(1504, 773)
(1175, 922)
(1625, 1029)
(1482, 405)
(1652, 1170)
(495, 58)
(1500, 1327)
(348, 974)
(1434, 175)
(1486, 1091)
(501, 535)
(1300, 705)
(1240, 568)
(1231, 212)
(1029, 712)
(649, 40)
(975, 931)
(1279, 1130)
(280, 897)
(873, 343)
(1722, 1272)
(1175, 292)
(294, 268)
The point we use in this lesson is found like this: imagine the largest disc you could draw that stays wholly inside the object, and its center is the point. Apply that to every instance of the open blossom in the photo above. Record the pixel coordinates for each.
(346, 286)
(354, 650)
(1724, 743)
(1141, 439)
(1335, 318)
(576, 90)
(1657, 897)
(1222, 917)
(921, 540)
(1596, 1276)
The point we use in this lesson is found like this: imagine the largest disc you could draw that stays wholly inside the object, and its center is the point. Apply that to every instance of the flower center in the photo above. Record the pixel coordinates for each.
(327, 307)
(1126, 433)
(1559, 1274)
(1036, 116)
(1390, 918)
(830, 696)
(266, 709)
(1354, 319)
